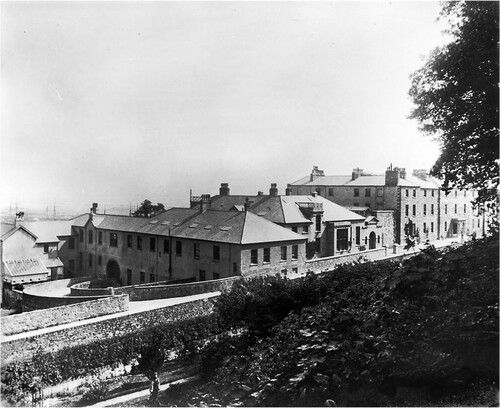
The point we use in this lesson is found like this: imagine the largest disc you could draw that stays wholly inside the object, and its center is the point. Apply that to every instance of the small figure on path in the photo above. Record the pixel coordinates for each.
(154, 388)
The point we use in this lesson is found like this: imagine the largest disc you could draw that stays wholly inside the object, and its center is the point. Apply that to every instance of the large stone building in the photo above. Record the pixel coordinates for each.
(330, 229)
(182, 243)
(418, 205)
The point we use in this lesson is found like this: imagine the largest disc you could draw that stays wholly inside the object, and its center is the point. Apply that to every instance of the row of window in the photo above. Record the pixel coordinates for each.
(456, 208)
(414, 209)
(254, 254)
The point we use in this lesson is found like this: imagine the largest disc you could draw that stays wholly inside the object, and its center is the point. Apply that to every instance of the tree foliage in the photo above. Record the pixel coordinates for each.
(361, 334)
(456, 97)
(148, 209)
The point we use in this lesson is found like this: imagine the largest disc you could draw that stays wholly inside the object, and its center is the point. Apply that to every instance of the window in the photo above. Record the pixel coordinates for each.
(456, 193)
(367, 205)
(446, 208)
(71, 265)
(295, 252)
(202, 275)
(90, 260)
(414, 210)
(407, 193)
(465, 193)
(80, 234)
(432, 193)
(295, 270)
(318, 223)
(445, 226)
(317, 245)
(166, 246)
(178, 248)
(425, 209)
(425, 227)
(306, 230)
(330, 191)
(414, 192)
(283, 253)
(99, 237)
(425, 193)
(45, 248)
(91, 237)
(432, 227)
(152, 244)
(318, 191)
(294, 229)
(129, 277)
(456, 208)
(358, 235)
(113, 239)
(71, 243)
(342, 239)
(196, 250)
(129, 241)
(356, 192)
(80, 260)
(216, 275)
(432, 209)
(267, 255)
(407, 210)
(216, 252)
(284, 272)
(142, 277)
(99, 260)
(254, 257)
(368, 192)
(465, 208)
(378, 239)
(478, 222)
(151, 277)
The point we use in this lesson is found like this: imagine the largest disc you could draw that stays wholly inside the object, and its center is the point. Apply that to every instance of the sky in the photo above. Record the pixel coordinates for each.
(116, 102)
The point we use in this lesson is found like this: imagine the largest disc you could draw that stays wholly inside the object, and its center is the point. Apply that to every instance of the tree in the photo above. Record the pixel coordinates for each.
(147, 209)
(456, 98)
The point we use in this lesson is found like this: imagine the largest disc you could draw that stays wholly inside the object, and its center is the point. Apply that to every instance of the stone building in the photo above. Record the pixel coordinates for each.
(418, 204)
(180, 244)
(330, 229)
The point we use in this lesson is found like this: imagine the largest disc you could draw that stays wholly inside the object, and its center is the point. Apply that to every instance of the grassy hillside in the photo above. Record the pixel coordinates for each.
(424, 332)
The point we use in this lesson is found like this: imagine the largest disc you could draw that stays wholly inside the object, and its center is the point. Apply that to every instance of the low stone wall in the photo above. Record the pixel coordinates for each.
(329, 263)
(53, 294)
(38, 319)
(23, 348)
(12, 299)
(82, 289)
(143, 292)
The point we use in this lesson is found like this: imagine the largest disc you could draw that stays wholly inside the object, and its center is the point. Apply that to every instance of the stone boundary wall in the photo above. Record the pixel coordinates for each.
(82, 289)
(24, 348)
(39, 319)
(328, 263)
(12, 298)
(53, 294)
(141, 292)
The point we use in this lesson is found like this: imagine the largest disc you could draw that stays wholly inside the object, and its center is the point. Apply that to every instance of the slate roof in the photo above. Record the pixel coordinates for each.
(157, 225)
(14, 229)
(430, 183)
(49, 231)
(24, 267)
(234, 227)
(331, 212)
(367, 180)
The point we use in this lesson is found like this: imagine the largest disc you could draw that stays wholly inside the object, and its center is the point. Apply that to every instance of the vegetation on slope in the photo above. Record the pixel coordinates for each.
(371, 334)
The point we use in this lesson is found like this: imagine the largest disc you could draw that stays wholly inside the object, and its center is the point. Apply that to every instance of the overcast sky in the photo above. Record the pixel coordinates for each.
(120, 101)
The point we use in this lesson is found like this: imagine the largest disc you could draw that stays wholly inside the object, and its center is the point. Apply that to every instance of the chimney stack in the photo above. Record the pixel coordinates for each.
(205, 202)
(93, 210)
(421, 174)
(356, 173)
(260, 193)
(273, 191)
(288, 190)
(315, 173)
(247, 204)
(19, 219)
(224, 189)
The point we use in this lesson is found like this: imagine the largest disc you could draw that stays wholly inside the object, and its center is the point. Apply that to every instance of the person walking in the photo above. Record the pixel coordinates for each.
(154, 389)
